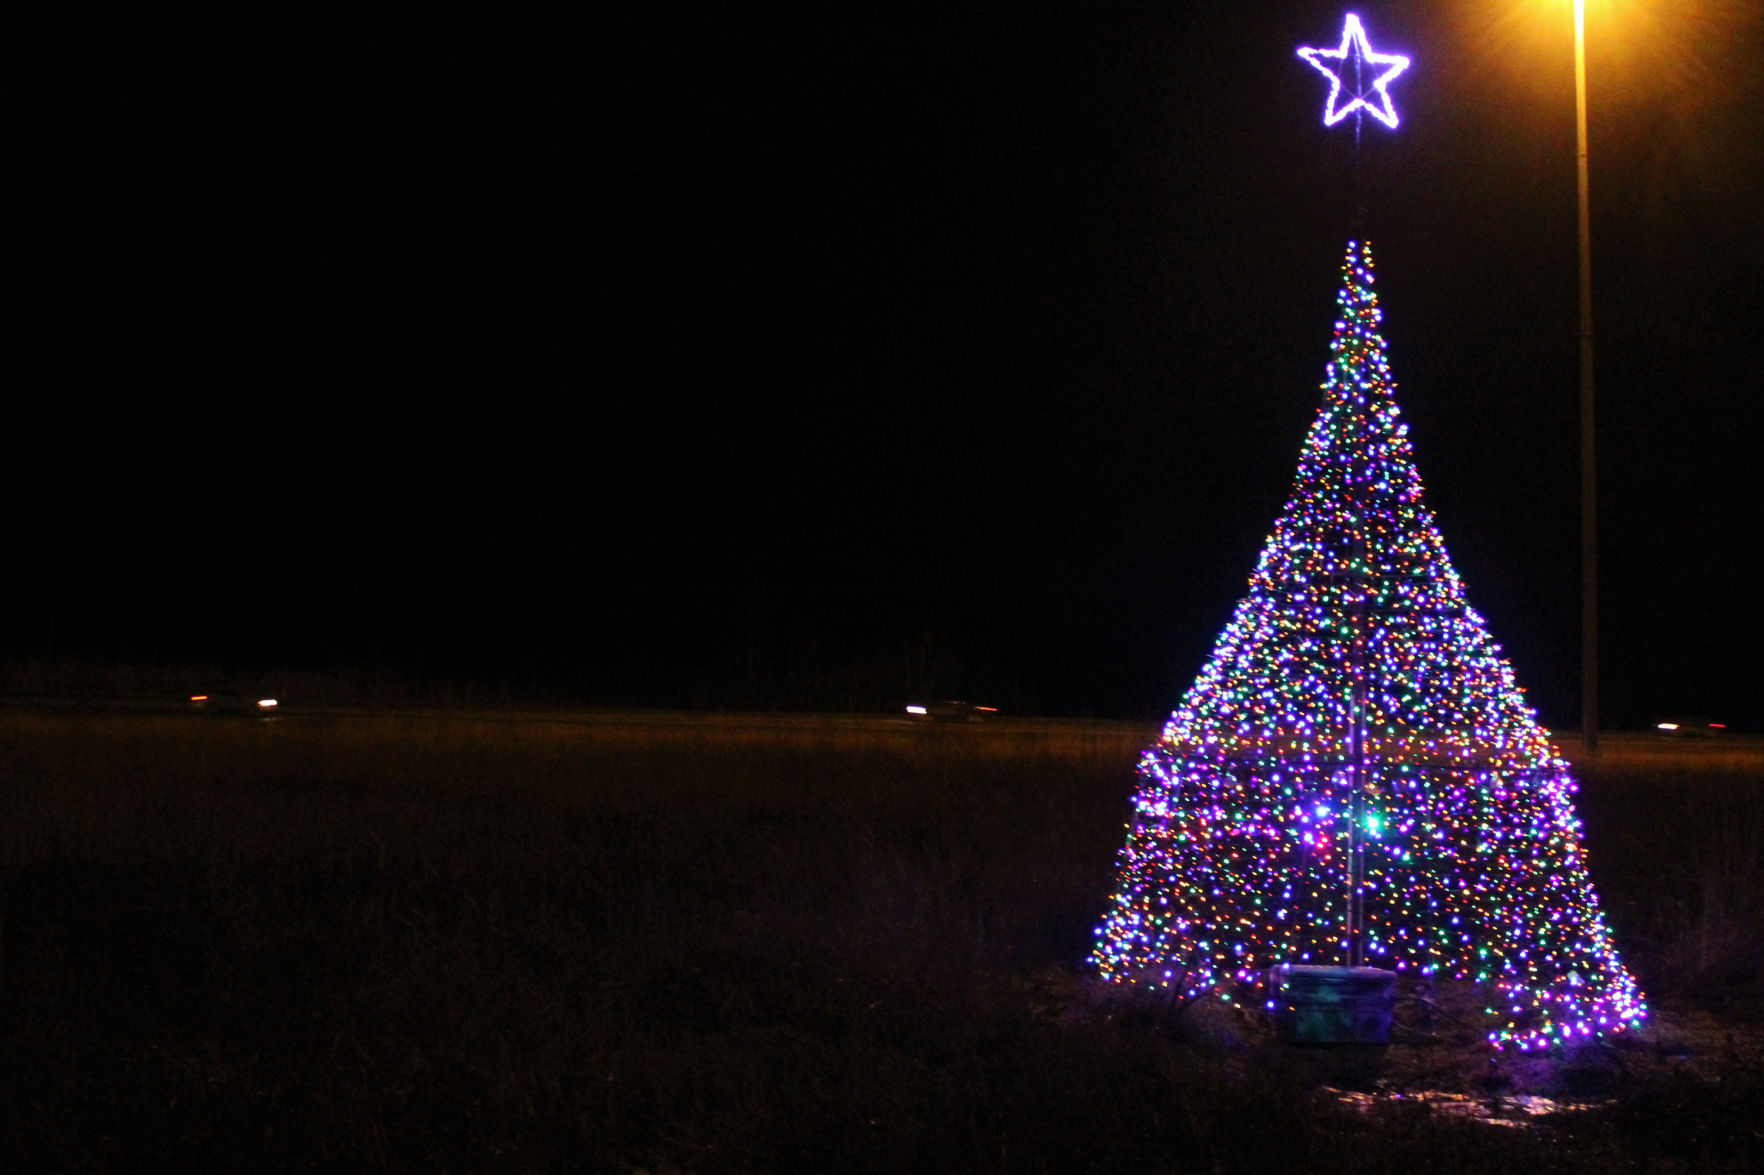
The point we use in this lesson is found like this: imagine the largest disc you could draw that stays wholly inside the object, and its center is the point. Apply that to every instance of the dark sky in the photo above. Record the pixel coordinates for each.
(818, 355)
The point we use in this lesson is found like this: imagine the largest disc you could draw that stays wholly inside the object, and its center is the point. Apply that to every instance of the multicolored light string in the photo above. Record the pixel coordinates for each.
(1354, 685)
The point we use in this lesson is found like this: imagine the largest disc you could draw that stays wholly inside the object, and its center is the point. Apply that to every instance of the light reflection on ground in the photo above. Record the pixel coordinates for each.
(1517, 1110)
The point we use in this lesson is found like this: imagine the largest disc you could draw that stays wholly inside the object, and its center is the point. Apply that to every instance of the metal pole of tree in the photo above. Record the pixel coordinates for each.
(1589, 523)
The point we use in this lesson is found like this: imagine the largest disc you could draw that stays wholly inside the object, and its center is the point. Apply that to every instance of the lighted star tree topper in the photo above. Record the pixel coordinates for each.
(1354, 777)
(1358, 74)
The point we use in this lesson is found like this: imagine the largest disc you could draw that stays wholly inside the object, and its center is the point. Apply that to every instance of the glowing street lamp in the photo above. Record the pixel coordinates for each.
(1589, 532)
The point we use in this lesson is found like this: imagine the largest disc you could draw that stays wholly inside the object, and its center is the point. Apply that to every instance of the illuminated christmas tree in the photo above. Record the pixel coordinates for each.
(1354, 778)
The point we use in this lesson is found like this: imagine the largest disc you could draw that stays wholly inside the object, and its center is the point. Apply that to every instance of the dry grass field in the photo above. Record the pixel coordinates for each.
(674, 943)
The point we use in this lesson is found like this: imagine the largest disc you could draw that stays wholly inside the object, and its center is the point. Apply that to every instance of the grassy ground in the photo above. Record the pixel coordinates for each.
(755, 945)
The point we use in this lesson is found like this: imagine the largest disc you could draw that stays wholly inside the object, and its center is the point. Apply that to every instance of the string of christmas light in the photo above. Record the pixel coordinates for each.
(1354, 681)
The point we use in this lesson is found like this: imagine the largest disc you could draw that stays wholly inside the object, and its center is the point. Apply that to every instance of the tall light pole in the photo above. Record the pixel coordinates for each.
(1589, 521)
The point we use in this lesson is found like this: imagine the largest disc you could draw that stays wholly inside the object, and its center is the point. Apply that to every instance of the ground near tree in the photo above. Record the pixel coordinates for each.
(723, 944)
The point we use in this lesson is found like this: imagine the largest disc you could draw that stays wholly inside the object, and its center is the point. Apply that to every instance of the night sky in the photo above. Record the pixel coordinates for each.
(825, 356)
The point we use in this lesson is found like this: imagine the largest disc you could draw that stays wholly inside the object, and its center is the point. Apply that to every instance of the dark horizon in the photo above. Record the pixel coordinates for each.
(779, 356)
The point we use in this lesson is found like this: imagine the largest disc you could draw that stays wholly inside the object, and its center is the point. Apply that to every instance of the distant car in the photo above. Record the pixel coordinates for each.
(952, 711)
(1690, 728)
(234, 703)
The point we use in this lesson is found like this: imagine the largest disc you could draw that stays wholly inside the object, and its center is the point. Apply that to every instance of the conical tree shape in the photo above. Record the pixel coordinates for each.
(1357, 741)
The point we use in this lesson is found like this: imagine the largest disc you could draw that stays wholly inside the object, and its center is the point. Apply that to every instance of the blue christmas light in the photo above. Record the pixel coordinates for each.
(1345, 68)
(1355, 714)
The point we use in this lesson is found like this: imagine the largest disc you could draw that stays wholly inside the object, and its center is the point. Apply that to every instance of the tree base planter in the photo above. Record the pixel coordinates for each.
(1332, 1005)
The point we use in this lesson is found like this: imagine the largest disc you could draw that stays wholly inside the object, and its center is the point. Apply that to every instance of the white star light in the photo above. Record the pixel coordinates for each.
(1374, 100)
